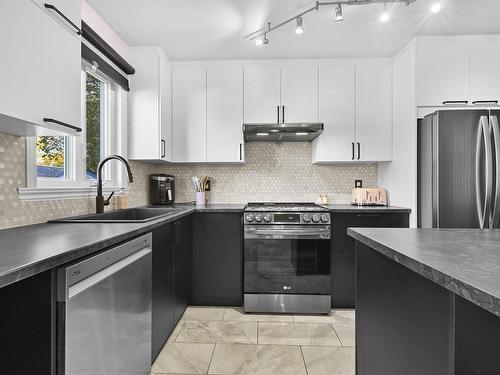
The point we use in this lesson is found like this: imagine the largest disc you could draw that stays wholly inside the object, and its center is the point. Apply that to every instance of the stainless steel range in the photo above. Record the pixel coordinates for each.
(287, 258)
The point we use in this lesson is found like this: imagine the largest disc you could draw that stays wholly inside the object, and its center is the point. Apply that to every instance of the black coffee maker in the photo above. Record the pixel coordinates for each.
(161, 189)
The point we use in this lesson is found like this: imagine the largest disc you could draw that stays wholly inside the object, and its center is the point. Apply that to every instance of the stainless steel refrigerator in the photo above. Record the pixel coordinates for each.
(459, 169)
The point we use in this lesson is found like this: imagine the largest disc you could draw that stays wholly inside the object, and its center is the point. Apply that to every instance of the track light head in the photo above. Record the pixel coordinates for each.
(259, 42)
(298, 29)
(384, 17)
(436, 7)
(339, 17)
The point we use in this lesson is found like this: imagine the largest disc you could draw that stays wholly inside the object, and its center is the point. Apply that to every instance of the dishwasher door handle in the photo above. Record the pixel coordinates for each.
(97, 277)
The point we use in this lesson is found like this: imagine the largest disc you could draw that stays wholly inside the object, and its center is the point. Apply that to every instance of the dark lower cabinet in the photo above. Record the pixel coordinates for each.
(343, 249)
(183, 256)
(163, 306)
(28, 326)
(172, 269)
(217, 259)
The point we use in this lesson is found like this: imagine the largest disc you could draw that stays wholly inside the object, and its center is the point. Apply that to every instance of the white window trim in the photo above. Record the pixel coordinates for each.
(78, 186)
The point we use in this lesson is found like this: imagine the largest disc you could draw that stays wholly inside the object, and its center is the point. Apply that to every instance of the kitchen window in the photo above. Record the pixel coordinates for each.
(61, 166)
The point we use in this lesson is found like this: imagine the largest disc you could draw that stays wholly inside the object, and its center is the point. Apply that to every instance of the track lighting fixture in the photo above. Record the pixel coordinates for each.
(298, 29)
(260, 35)
(339, 17)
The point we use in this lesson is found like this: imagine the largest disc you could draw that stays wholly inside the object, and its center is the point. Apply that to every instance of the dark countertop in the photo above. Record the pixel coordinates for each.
(464, 261)
(28, 250)
(349, 208)
(215, 207)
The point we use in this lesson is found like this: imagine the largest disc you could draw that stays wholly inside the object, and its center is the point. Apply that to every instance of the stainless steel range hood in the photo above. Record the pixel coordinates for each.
(287, 132)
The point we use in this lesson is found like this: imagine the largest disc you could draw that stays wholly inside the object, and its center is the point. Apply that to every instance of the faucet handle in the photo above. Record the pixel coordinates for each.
(106, 202)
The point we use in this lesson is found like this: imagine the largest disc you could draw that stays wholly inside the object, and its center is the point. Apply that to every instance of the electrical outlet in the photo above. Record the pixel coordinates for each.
(358, 183)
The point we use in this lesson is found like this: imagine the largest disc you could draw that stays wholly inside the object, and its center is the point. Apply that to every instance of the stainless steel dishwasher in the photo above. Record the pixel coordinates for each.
(104, 312)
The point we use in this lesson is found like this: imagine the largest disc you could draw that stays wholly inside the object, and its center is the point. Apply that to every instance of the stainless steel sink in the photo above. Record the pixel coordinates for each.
(129, 215)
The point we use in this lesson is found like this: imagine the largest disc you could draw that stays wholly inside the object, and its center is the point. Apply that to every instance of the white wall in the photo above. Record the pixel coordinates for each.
(399, 177)
(91, 18)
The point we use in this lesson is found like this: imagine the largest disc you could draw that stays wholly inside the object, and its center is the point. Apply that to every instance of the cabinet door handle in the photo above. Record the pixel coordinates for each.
(278, 108)
(163, 147)
(61, 14)
(352, 150)
(241, 153)
(485, 102)
(455, 102)
(76, 128)
(282, 114)
(359, 151)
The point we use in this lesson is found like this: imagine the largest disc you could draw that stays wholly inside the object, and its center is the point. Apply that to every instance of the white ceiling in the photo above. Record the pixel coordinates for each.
(214, 29)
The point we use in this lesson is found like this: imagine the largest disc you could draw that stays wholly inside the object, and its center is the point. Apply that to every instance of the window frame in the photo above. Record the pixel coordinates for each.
(76, 183)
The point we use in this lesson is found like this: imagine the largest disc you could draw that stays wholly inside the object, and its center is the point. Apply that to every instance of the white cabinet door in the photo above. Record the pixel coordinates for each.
(374, 112)
(165, 77)
(261, 94)
(40, 66)
(299, 93)
(336, 111)
(485, 68)
(442, 70)
(224, 114)
(144, 105)
(71, 9)
(189, 114)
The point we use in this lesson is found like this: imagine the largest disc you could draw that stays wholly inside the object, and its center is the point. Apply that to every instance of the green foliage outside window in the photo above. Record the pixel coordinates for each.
(94, 92)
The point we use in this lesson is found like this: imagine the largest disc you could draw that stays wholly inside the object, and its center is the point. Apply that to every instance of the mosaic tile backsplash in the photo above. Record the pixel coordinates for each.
(280, 172)
(272, 172)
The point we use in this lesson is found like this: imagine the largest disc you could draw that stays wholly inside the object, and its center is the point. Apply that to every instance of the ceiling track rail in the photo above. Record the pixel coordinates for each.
(264, 31)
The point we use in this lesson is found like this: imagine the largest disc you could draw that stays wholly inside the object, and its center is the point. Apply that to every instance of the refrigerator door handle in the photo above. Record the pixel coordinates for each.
(495, 214)
(484, 203)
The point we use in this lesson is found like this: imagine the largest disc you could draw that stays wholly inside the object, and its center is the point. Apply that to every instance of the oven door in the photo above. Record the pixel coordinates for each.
(287, 259)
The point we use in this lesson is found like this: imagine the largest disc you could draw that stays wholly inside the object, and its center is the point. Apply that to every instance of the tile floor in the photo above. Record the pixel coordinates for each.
(224, 340)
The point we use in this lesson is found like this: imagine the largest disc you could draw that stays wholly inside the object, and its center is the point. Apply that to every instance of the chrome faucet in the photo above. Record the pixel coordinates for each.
(100, 202)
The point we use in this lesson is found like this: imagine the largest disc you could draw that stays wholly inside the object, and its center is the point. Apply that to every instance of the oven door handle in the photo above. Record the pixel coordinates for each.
(287, 234)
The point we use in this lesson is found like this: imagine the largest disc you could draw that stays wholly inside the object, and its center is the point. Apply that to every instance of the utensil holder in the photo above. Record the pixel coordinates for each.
(200, 198)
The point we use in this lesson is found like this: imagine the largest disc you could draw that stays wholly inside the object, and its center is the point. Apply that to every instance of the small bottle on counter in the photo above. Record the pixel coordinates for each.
(122, 201)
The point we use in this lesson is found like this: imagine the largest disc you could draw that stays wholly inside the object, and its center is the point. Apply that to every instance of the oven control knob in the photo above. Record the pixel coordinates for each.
(306, 218)
(258, 218)
(325, 218)
(249, 217)
(316, 218)
(268, 218)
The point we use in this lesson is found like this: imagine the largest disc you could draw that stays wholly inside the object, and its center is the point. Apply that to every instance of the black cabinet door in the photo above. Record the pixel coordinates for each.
(163, 307)
(183, 265)
(27, 326)
(343, 250)
(217, 259)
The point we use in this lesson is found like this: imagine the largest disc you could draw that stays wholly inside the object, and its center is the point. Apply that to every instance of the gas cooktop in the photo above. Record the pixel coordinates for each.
(283, 207)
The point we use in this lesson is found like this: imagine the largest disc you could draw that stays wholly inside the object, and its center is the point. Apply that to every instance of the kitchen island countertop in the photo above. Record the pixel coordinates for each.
(464, 261)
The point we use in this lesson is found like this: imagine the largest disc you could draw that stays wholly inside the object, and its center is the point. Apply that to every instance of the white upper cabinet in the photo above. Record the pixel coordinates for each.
(166, 141)
(40, 70)
(261, 94)
(442, 70)
(225, 114)
(485, 69)
(64, 11)
(189, 114)
(149, 105)
(336, 111)
(299, 94)
(374, 112)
